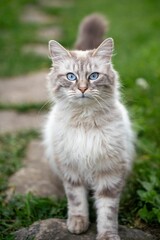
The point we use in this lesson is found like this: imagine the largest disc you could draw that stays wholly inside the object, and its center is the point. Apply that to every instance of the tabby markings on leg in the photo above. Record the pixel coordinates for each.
(77, 208)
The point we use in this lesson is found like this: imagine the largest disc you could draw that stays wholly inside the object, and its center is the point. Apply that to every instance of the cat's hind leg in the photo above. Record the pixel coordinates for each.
(77, 207)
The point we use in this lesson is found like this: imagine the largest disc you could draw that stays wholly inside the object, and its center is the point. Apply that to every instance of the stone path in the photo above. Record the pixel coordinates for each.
(11, 121)
(38, 49)
(30, 88)
(56, 3)
(35, 176)
(31, 14)
(57, 229)
(49, 33)
(48, 30)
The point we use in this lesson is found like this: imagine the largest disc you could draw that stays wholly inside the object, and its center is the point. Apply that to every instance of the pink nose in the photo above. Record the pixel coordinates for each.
(82, 89)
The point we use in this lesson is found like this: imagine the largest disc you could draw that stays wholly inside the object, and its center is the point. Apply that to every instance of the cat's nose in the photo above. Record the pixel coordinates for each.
(82, 89)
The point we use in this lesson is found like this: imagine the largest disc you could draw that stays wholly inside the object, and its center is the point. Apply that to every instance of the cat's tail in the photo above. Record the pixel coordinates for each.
(91, 32)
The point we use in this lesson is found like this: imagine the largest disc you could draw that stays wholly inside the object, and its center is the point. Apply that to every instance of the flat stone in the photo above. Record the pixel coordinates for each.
(32, 14)
(56, 3)
(24, 89)
(38, 49)
(46, 34)
(36, 176)
(56, 229)
(12, 121)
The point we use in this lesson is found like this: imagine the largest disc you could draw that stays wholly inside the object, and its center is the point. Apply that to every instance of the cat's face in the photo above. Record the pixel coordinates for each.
(82, 77)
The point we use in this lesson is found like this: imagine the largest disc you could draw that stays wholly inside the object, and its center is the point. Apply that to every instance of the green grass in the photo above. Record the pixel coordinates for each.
(15, 34)
(24, 210)
(26, 107)
(12, 150)
(134, 25)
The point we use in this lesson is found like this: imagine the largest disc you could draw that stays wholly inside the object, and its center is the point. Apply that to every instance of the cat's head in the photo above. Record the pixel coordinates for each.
(82, 77)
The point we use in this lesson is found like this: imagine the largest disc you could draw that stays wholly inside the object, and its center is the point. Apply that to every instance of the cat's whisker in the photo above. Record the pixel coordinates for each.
(105, 103)
(102, 108)
(98, 96)
(95, 91)
(71, 92)
(71, 95)
(44, 105)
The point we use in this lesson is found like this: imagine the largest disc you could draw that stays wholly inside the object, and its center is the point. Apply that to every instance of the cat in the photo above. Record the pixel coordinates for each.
(88, 135)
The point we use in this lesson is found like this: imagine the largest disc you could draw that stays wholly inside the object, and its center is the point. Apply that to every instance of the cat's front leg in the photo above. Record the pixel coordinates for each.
(77, 207)
(107, 202)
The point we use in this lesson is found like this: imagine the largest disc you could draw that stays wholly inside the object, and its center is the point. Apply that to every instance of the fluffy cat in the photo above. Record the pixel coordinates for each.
(88, 135)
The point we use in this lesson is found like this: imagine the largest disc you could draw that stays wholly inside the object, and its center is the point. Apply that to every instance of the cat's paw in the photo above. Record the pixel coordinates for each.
(77, 224)
(108, 237)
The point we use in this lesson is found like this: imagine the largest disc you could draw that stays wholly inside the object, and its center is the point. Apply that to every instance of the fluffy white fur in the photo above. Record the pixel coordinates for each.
(89, 140)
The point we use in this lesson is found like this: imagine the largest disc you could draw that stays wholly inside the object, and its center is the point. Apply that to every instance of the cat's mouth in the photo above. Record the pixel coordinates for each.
(84, 96)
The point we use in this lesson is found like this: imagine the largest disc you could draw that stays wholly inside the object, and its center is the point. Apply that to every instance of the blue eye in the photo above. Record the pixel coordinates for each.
(71, 76)
(94, 76)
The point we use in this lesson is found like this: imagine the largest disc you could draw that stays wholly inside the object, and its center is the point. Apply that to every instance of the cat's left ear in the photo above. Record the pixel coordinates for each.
(57, 51)
(105, 49)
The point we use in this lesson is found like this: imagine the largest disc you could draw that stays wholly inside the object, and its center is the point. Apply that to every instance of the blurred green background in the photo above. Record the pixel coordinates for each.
(135, 28)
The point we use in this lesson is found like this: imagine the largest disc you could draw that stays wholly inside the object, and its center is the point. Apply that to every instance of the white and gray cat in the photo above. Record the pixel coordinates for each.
(88, 135)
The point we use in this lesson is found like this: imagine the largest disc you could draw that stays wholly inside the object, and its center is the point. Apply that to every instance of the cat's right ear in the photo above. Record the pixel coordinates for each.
(57, 51)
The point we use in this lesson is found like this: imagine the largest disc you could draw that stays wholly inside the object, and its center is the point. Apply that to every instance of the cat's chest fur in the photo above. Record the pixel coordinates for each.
(87, 140)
